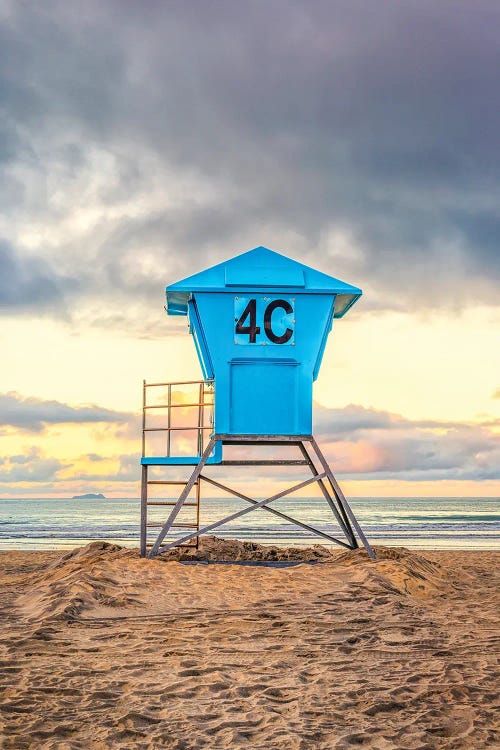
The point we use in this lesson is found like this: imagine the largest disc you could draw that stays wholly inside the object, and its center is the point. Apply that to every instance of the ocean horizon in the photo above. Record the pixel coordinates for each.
(418, 523)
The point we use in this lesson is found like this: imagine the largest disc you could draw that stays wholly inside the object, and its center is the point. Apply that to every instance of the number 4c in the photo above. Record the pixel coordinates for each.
(253, 329)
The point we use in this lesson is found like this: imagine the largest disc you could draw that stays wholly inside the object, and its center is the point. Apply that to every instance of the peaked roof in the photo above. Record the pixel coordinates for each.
(261, 268)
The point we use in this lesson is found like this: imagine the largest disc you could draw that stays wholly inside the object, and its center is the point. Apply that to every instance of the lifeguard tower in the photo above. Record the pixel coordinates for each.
(260, 322)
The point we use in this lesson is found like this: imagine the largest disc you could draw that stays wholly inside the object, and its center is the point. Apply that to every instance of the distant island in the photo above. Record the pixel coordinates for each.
(89, 496)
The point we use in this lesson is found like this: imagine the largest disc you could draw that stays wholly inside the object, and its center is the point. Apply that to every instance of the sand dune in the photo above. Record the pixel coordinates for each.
(100, 649)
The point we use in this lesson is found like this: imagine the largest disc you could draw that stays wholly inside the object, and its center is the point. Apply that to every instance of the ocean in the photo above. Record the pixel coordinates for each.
(418, 523)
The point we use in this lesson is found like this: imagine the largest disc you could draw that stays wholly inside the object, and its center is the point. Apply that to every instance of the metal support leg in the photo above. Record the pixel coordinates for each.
(342, 521)
(342, 500)
(144, 509)
(180, 502)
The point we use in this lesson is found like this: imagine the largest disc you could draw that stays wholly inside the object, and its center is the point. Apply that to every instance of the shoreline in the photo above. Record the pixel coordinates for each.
(420, 524)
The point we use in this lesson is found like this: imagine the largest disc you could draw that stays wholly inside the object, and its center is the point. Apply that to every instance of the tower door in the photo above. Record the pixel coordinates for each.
(263, 398)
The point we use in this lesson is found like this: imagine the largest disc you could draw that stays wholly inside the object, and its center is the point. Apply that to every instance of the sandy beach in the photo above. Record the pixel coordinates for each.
(100, 649)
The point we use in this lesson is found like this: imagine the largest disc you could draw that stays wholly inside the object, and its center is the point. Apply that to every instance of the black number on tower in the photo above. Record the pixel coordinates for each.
(272, 306)
(252, 329)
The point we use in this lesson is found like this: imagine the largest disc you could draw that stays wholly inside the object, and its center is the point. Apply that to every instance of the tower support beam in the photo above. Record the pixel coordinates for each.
(325, 478)
(275, 512)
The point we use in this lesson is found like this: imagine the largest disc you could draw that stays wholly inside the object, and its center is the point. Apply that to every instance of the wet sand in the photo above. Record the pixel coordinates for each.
(100, 649)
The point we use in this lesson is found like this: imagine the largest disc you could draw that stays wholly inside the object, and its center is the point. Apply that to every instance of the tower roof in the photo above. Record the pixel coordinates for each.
(265, 269)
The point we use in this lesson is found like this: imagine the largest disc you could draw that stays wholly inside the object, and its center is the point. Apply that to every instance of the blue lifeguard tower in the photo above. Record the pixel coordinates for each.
(260, 322)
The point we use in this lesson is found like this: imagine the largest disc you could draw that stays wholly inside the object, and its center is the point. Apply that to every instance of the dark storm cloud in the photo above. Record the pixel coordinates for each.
(34, 414)
(360, 137)
(28, 282)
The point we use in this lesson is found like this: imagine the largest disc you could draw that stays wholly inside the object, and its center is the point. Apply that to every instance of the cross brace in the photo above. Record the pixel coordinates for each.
(325, 478)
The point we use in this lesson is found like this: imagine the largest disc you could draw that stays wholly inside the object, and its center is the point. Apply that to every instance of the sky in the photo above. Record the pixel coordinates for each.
(143, 142)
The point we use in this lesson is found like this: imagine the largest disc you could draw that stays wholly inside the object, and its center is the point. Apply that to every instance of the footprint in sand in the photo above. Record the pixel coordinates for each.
(358, 739)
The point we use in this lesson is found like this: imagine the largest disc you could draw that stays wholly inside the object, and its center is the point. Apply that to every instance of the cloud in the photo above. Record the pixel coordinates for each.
(146, 144)
(370, 444)
(32, 467)
(126, 469)
(129, 467)
(360, 443)
(34, 415)
(28, 282)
